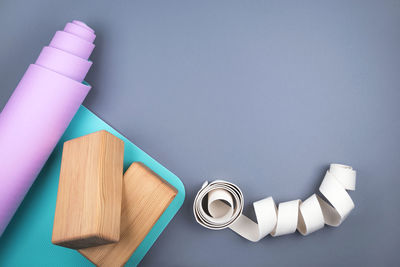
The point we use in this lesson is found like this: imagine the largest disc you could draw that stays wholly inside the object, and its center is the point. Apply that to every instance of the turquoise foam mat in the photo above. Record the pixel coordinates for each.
(27, 239)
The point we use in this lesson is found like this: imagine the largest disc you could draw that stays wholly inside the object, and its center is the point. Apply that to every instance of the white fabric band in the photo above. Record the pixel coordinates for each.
(219, 205)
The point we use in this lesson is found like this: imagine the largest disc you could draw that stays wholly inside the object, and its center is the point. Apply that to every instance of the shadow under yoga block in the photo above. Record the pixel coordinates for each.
(27, 239)
(88, 209)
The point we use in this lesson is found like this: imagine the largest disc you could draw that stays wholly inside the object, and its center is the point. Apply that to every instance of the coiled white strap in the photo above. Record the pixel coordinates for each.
(219, 205)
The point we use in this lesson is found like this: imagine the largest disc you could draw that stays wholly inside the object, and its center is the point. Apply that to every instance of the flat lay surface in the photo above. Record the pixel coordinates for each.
(264, 94)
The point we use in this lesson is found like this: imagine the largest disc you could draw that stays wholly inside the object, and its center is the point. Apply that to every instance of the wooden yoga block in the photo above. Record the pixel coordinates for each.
(145, 197)
(88, 210)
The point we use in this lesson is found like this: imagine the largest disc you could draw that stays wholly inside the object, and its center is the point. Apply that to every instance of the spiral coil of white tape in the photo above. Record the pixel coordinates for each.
(219, 205)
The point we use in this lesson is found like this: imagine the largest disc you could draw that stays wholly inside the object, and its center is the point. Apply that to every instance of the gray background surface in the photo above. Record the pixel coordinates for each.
(263, 93)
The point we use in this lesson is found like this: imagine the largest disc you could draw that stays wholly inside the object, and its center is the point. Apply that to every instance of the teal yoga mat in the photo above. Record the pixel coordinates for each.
(27, 239)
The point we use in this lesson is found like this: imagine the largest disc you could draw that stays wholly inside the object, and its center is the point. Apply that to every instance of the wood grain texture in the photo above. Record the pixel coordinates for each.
(145, 197)
(88, 209)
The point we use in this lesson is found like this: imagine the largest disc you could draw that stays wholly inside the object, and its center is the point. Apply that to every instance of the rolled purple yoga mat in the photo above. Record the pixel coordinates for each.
(39, 111)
